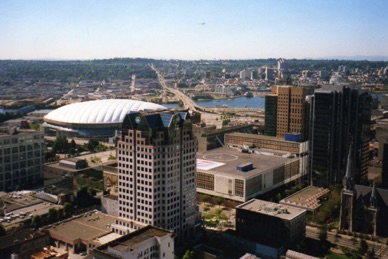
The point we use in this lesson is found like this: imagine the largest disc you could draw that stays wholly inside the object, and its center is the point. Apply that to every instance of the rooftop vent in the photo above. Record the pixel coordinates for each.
(245, 167)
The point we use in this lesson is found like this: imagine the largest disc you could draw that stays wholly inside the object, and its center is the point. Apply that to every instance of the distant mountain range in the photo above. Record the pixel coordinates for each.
(358, 57)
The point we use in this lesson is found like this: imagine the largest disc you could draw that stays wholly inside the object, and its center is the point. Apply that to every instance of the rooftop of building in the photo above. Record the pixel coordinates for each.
(249, 256)
(18, 237)
(102, 240)
(224, 161)
(11, 130)
(294, 254)
(74, 159)
(50, 252)
(131, 240)
(307, 198)
(86, 227)
(98, 111)
(263, 137)
(208, 250)
(271, 209)
(103, 160)
(382, 122)
(365, 192)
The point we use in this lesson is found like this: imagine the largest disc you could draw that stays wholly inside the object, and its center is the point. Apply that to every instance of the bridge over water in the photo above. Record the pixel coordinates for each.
(188, 103)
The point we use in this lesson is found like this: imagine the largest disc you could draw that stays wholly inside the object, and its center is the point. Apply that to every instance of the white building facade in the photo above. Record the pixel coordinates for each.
(145, 243)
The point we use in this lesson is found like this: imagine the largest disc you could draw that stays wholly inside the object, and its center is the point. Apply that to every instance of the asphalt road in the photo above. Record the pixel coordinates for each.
(381, 250)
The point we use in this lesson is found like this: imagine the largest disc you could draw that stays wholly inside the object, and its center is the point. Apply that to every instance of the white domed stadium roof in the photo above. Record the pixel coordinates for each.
(100, 111)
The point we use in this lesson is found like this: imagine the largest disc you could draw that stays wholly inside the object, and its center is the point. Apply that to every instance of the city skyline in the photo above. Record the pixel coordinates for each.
(193, 30)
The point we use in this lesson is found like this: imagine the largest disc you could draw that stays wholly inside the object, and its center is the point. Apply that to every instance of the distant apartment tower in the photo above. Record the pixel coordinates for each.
(269, 74)
(21, 158)
(340, 116)
(157, 172)
(290, 111)
(282, 64)
(246, 74)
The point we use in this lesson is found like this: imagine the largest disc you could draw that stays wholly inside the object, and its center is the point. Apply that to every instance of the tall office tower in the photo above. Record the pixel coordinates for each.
(269, 74)
(290, 111)
(21, 158)
(340, 115)
(156, 170)
(271, 107)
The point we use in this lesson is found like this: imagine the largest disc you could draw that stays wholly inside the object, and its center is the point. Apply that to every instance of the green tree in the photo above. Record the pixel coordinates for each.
(52, 215)
(67, 210)
(278, 196)
(34, 126)
(188, 255)
(323, 233)
(92, 144)
(225, 122)
(219, 200)
(36, 221)
(363, 247)
(72, 147)
(100, 147)
(60, 144)
(336, 238)
(206, 198)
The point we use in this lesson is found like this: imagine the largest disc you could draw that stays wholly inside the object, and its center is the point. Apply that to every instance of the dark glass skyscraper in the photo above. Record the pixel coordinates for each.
(340, 117)
(271, 104)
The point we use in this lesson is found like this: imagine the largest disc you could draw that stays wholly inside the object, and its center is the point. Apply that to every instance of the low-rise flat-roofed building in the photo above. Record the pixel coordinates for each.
(22, 243)
(209, 137)
(202, 251)
(267, 143)
(49, 252)
(147, 242)
(270, 223)
(79, 234)
(74, 163)
(21, 158)
(307, 198)
(240, 176)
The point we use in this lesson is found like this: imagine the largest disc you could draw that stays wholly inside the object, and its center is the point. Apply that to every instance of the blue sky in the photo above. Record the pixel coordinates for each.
(196, 29)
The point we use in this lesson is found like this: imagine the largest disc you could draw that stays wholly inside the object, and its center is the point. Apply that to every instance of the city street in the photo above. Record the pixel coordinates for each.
(381, 250)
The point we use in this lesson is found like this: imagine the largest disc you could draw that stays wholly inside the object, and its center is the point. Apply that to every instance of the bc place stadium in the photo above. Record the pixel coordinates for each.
(93, 119)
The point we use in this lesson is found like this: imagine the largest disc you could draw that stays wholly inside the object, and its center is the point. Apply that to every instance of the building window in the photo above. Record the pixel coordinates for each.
(205, 181)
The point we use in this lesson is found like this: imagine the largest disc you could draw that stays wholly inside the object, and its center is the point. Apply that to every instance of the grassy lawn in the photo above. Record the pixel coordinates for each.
(213, 217)
(332, 255)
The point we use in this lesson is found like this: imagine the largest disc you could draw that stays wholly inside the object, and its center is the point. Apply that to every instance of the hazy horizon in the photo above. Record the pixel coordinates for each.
(193, 30)
(349, 58)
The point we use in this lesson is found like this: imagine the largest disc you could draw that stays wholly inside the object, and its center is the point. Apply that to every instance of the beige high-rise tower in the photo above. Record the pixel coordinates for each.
(291, 113)
(157, 172)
